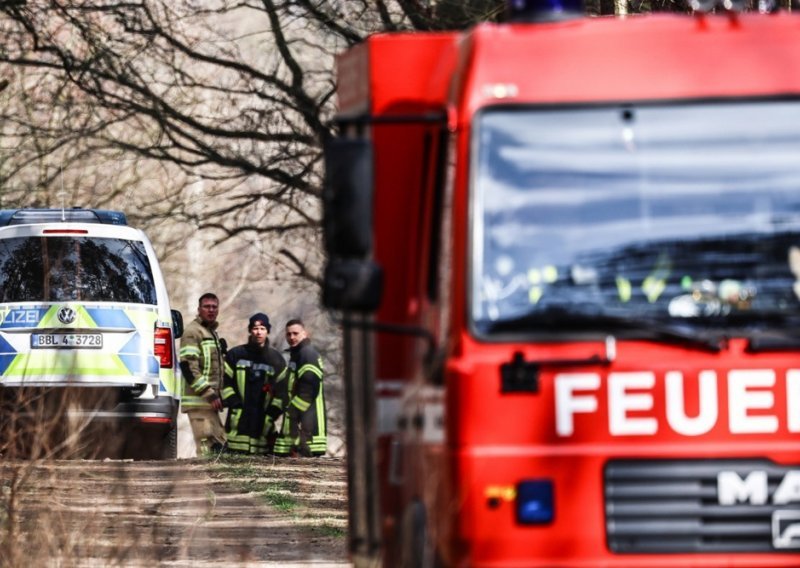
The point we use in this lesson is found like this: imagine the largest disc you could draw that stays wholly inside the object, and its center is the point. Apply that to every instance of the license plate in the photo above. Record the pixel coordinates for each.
(66, 340)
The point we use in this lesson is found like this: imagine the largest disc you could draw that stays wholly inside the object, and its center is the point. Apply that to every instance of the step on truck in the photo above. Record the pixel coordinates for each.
(565, 253)
(88, 365)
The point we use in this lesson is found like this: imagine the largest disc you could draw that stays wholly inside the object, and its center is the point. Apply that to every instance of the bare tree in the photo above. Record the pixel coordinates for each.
(237, 93)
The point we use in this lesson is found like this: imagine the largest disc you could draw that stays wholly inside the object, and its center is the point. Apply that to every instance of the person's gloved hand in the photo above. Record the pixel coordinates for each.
(233, 402)
(267, 427)
(212, 398)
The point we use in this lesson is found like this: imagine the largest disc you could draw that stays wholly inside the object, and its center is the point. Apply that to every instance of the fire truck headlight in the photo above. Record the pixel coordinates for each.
(535, 502)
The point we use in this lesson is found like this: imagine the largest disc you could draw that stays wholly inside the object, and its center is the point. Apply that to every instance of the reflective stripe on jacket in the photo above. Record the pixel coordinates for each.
(201, 363)
(251, 374)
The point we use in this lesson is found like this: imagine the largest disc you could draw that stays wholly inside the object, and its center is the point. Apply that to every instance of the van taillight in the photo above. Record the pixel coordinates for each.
(163, 346)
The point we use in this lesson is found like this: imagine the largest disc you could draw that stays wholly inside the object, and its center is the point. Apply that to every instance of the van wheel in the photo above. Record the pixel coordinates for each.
(146, 445)
(170, 443)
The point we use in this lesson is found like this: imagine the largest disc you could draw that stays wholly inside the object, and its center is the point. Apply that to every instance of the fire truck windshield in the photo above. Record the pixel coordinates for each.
(683, 214)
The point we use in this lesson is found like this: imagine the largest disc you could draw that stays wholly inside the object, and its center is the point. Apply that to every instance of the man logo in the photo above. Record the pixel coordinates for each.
(66, 315)
(786, 529)
(732, 489)
(754, 489)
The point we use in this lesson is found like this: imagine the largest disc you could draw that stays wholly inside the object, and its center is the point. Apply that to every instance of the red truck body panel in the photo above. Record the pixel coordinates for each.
(474, 443)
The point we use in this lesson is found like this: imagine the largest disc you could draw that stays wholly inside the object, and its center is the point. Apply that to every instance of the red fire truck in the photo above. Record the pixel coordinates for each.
(566, 255)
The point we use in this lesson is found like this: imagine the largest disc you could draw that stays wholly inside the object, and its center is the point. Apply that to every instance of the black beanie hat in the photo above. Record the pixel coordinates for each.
(259, 318)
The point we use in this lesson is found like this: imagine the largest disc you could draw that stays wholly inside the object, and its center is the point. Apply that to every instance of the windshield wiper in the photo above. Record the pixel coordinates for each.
(561, 319)
(765, 343)
(768, 331)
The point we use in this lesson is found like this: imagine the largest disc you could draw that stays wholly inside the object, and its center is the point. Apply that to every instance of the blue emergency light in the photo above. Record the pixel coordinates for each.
(543, 10)
(71, 215)
(535, 504)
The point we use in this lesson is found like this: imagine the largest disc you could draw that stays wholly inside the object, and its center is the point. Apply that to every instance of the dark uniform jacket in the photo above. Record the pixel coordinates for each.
(250, 376)
(305, 378)
(304, 428)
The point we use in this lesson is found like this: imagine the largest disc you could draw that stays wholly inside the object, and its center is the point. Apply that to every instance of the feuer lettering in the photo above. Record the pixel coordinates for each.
(630, 393)
(707, 415)
(751, 404)
(793, 399)
(569, 402)
(747, 391)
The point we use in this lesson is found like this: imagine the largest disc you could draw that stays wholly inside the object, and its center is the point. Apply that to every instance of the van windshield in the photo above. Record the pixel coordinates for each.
(55, 269)
(588, 219)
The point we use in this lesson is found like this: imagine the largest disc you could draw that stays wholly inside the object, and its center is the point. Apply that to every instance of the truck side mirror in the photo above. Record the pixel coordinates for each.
(352, 284)
(347, 197)
(177, 324)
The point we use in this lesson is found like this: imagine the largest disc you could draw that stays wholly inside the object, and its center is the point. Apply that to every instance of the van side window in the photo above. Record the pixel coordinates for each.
(75, 268)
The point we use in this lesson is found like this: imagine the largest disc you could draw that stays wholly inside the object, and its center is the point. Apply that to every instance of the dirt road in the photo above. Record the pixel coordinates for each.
(192, 512)
(189, 512)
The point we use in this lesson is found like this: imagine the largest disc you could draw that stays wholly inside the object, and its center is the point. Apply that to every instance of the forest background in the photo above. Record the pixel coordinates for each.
(203, 121)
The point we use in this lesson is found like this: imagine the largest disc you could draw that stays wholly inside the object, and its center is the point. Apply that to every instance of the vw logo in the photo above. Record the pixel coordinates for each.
(66, 314)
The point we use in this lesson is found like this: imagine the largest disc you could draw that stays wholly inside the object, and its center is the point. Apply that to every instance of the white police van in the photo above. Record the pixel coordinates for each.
(88, 363)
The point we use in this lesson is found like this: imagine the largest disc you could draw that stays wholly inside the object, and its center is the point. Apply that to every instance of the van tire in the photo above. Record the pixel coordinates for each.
(149, 445)
(170, 443)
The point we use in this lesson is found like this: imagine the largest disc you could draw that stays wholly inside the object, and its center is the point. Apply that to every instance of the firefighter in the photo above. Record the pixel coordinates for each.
(201, 362)
(303, 432)
(251, 372)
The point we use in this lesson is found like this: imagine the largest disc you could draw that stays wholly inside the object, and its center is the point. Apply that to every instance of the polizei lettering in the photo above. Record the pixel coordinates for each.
(749, 398)
(20, 317)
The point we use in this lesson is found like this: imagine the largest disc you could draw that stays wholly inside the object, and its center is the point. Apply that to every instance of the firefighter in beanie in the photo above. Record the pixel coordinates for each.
(304, 430)
(251, 372)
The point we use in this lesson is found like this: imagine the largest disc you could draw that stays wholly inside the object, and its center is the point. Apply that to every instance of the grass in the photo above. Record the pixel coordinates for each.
(326, 529)
(252, 475)
(278, 493)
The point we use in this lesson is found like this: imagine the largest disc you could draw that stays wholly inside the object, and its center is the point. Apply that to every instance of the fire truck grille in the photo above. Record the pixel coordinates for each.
(672, 506)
